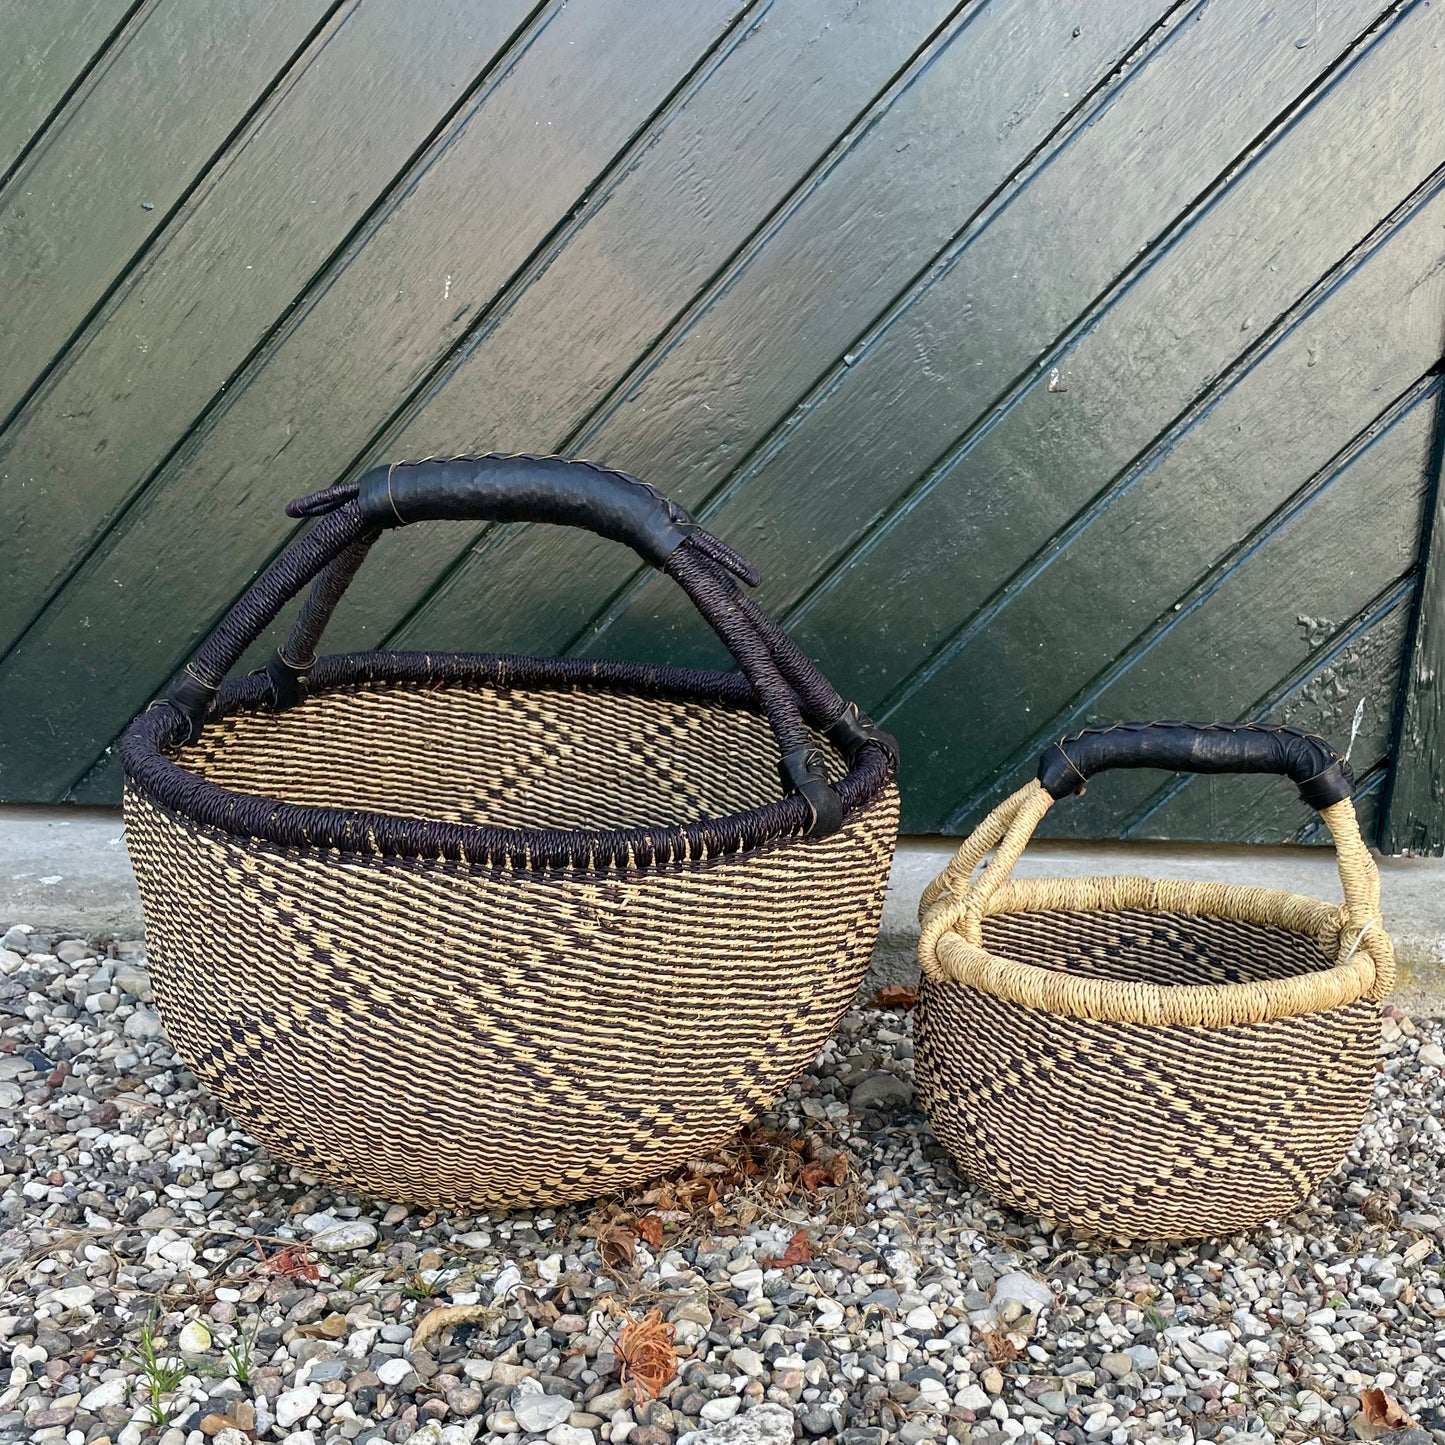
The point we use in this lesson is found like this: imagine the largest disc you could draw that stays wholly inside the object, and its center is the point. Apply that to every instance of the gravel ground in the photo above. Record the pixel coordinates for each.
(160, 1279)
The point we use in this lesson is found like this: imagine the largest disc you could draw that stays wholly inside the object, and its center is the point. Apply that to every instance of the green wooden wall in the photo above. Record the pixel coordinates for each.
(1056, 362)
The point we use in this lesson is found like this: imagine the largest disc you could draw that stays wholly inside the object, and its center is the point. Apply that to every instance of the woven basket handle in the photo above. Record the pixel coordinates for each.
(955, 900)
(542, 489)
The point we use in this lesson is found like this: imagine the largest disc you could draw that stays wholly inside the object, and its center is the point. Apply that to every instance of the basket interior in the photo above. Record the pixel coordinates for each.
(480, 755)
(1137, 946)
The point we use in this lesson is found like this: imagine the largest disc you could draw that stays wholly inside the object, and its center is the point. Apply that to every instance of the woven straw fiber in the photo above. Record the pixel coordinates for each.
(475, 1033)
(1146, 1059)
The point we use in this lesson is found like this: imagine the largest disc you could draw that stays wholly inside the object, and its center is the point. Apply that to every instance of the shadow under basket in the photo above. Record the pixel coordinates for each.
(484, 932)
(1145, 1058)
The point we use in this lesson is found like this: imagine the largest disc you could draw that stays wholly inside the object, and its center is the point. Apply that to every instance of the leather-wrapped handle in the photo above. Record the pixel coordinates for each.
(1320, 773)
(527, 489)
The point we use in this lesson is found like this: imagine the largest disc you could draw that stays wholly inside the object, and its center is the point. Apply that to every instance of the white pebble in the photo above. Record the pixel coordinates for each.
(105, 1395)
(973, 1397)
(393, 1372)
(348, 1235)
(294, 1405)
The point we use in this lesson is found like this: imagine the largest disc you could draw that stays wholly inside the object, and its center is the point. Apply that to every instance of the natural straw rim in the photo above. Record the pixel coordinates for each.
(953, 907)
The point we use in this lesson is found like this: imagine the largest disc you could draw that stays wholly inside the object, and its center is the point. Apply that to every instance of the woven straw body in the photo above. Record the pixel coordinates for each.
(1146, 1059)
(482, 1034)
(485, 931)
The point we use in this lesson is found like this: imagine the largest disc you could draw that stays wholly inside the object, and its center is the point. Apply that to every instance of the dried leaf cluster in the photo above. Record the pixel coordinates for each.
(292, 1262)
(645, 1351)
(759, 1172)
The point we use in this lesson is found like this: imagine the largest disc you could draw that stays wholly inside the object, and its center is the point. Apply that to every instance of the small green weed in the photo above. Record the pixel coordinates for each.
(159, 1376)
(420, 1287)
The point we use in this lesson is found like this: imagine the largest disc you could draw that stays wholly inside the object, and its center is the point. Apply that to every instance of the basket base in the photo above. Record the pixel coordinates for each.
(1128, 1133)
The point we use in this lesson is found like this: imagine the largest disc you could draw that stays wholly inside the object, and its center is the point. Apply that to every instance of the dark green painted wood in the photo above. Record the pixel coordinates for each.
(48, 51)
(106, 175)
(1414, 806)
(271, 212)
(945, 361)
(689, 189)
(1362, 663)
(1194, 499)
(1313, 572)
(532, 142)
(1057, 361)
(1067, 428)
(917, 169)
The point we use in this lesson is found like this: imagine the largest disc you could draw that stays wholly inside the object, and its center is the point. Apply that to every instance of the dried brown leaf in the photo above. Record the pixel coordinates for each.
(1384, 1412)
(894, 995)
(1002, 1349)
(446, 1317)
(799, 1251)
(617, 1247)
(649, 1230)
(645, 1350)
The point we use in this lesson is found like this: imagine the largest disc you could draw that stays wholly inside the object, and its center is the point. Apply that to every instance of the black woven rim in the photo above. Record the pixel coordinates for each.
(147, 745)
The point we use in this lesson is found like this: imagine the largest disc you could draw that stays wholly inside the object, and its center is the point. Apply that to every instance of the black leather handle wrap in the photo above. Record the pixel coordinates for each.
(527, 489)
(1321, 774)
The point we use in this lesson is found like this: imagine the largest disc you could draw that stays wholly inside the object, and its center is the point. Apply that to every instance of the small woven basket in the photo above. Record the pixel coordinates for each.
(1143, 1058)
(488, 931)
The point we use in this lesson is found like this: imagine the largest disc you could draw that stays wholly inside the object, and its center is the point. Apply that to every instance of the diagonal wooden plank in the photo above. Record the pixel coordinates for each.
(107, 174)
(1125, 373)
(920, 164)
(502, 180)
(1413, 811)
(1272, 609)
(1318, 382)
(48, 51)
(937, 368)
(1365, 664)
(291, 189)
(704, 174)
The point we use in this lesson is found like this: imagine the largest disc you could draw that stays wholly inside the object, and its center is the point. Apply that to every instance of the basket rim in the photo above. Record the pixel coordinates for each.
(147, 747)
(1350, 978)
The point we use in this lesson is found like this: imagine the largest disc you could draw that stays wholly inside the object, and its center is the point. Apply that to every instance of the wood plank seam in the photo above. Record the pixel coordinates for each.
(159, 233)
(37, 137)
(1270, 337)
(537, 261)
(556, 239)
(992, 415)
(1094, 98)
(576, 439)
(1411, 816)
(497, 66)
(1421, 391)
(1388, 600)
(730, 35)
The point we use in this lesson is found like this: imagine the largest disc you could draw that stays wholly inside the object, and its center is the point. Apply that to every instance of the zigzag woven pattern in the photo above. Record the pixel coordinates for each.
(479, 1037)
(1146, 1058)
(507, 756)
(1133, 1130)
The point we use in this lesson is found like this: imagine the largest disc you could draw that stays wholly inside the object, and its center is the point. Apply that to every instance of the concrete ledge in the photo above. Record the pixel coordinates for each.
(67, 868)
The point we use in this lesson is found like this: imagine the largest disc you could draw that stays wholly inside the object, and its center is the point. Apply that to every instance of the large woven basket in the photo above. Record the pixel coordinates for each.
(1143, 1058)
(486, 931)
